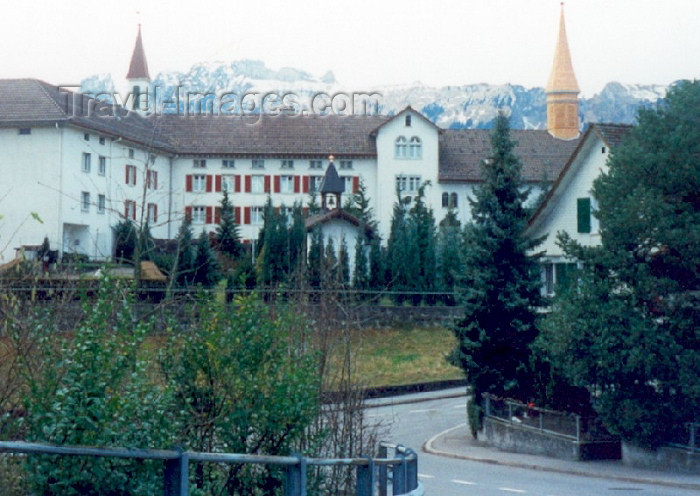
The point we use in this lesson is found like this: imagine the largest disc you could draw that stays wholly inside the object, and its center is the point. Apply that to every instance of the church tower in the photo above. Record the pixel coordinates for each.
(562, 90)
(138, 78)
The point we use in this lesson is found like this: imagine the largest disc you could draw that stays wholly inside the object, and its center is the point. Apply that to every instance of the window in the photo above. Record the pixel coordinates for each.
(227, 182)
(25, 130)
(131, 153)
(130, 209)
(227, 164)
(199, 163)
(400, 147)
(347, 180)
(152, 213)
(85, 201)
(315, 164)
(315, 183)
(408, 184)
(257, 215)
(258, 163)
(152, 179)
(199, 183)
(288, 213)
(415, 147)
(86, 137)
(101, 204)
(286, 184)
(287, 164)
(445, 200)
(407, 121)
(102, 140)
(102, 165)
(131, 175)
(583, 213)
(556, 276)
(257, 184)
(87, 159)
(199, 215)
(453, 200)
(345, 164)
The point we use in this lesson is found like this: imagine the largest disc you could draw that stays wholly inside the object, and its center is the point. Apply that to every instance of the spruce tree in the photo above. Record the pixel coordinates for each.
(500, 288)
(330, 266)
(183, 269)
(206, 267)
(377, 269)
(315, 262)
(228, 238)
(343, 263)
(125, 238)
(402, 256)
(361, 274)
(423, 229)
(296, 239)
(449, 246)
(629, 328)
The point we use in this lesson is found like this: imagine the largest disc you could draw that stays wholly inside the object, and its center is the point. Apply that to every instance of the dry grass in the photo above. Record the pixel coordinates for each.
(396, 356)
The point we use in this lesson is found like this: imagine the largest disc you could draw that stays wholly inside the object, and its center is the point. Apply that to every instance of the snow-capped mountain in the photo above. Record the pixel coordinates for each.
(465, 106)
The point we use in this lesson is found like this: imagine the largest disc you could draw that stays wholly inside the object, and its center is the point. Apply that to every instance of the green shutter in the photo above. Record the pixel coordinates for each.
(583, 211)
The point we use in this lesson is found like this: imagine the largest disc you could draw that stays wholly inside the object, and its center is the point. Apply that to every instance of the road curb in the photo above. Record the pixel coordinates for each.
(430, 449)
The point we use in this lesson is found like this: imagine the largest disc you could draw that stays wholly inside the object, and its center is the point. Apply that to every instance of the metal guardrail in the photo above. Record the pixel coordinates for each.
(567, 425)
(374, 475)
(693, 437)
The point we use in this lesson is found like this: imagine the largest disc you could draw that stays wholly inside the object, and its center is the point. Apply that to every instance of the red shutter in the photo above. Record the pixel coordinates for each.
(209, 214)
(248, 183)
(297, 185)
(209, 183)
(188, 212)
(188, 183)
(237, 184)
(217, 183)
(155, 212)
(126, 209)
(217, 215)
(355, 184)
(305, 185)
(267, 184)
(305, 211)
(237, 215)
(278, 209)
(277, 184)
(126, 174)
(133, 210)
(155, 179)
(246, 215)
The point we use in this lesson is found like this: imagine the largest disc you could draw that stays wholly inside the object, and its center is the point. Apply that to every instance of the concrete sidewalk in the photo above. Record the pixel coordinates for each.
(459, 443)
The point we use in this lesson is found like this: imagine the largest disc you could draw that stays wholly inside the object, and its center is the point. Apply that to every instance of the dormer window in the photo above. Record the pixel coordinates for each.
(400, 147)
(415, 147)
(408, 121)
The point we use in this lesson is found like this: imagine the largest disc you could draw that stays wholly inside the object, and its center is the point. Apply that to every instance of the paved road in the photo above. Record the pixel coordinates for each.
(414, 423)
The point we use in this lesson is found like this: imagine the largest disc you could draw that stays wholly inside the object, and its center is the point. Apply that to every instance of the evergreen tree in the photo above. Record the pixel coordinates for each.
(361, 276)
(330, 266)
(296, 239)
(313, 205)
(423, 229)
(629, 329)
(183, 269)
(274, 246)
(343, 263)
(147, 246)
(315, 263)
(500, 289)
(206, 266)
(449, 246)
(228, 238)
(377, 269)
(125, 236)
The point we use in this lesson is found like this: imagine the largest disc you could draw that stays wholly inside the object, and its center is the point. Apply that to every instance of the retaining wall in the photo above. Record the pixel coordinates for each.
(664, 458)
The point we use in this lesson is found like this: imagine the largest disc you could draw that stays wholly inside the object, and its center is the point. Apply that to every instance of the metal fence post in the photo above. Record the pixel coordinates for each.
(296, 479)
(365, 478)
(412, 471)
(399, 479)
(381, 472)
(175, 482)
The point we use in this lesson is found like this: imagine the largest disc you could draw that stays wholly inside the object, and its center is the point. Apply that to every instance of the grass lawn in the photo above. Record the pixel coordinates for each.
(395, 356)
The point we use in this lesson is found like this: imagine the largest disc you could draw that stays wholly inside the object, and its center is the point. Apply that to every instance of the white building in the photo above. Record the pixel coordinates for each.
(72, 168)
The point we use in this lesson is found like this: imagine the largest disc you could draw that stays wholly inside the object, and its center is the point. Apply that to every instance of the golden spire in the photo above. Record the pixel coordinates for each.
(562, 90)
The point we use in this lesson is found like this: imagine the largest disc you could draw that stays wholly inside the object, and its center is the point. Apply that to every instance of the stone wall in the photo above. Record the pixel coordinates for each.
(664, 458)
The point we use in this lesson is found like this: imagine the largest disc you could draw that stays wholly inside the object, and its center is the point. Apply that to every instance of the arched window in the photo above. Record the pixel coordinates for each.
(453, 200)
(400, 147)
(445, 200)
(415, 147)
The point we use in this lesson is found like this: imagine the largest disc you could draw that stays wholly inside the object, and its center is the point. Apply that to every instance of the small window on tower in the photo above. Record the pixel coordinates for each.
(408, 121)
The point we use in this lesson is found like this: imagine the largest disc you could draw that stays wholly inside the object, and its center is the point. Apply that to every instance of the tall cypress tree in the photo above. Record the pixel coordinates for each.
(402, 259)
(423, 229)
(227, 234)
(500, 286)
(377, 268)
(449, 246)
(361, 274)
(315, 261)
(343, 263)
(184, 262)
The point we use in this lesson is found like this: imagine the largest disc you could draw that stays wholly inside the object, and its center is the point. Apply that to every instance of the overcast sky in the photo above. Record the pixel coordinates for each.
(364, 42)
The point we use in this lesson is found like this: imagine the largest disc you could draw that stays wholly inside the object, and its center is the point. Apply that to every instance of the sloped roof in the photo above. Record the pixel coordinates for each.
(339, 214)
(462, 151)
(405, 110)
(331, 182)
(138, 67)
(32, 102)
(281, 135)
